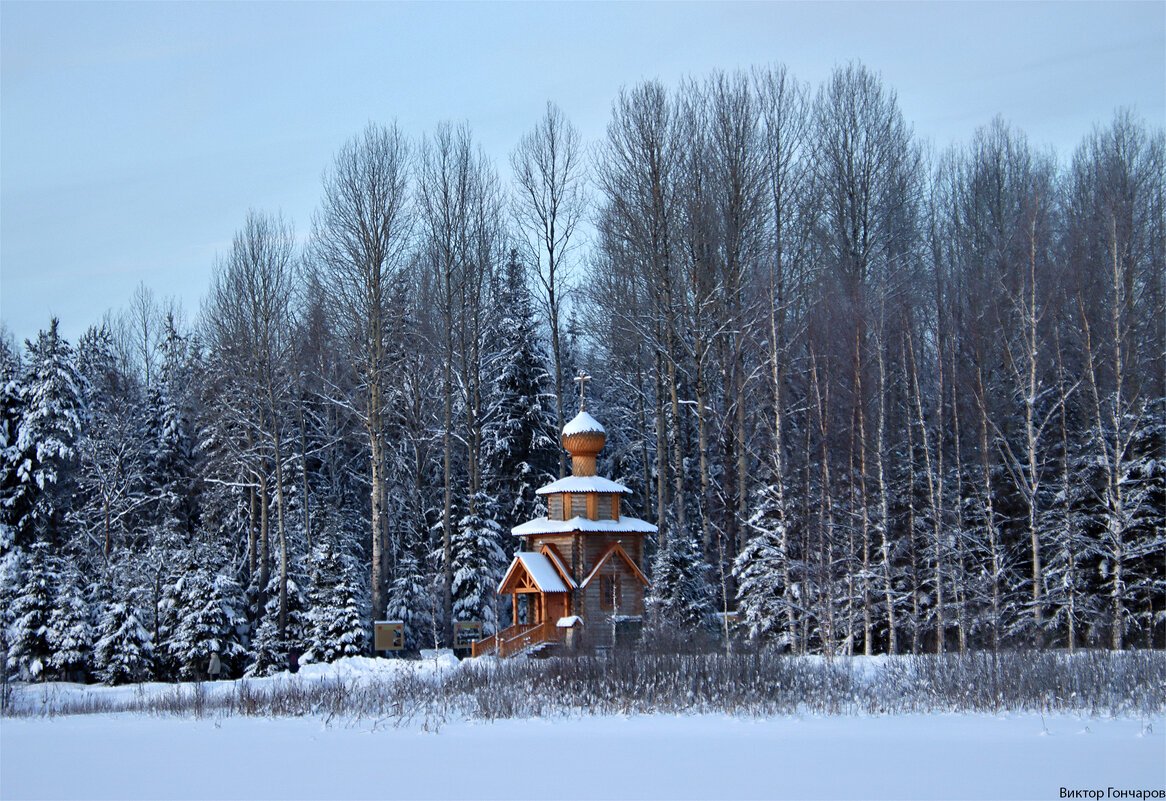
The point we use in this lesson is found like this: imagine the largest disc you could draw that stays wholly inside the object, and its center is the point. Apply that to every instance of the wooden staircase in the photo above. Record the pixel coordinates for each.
(518, 639)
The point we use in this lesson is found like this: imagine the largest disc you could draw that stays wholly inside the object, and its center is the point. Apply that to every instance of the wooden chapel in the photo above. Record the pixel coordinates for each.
(581, 564)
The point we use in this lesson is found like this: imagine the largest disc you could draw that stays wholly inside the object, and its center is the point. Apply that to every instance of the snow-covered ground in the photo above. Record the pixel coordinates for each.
(126, 755)
(945, 756)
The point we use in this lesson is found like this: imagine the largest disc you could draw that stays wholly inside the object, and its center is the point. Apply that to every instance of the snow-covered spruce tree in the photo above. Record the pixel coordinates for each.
(759, 569)
(411, 597)
(681, 595)
(520, 441)
(124, 651)
(29, 652)
(15, 495)
(47, 434)
(11, 573)
(70, 632)
(1070, 550)
(337, 616)
(232, 599)
(478, 563)
(204, 620)
(268, 652)
(1146, 507)
(171, 475)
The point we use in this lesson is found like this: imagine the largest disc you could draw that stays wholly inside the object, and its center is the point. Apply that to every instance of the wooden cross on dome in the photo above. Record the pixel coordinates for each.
(582, 380)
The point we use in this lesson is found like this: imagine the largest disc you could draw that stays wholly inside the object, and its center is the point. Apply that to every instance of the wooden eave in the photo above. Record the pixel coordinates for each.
(615, 549)
(518, 580)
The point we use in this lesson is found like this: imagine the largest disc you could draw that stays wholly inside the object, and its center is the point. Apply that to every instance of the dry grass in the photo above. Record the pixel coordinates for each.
(755, 683)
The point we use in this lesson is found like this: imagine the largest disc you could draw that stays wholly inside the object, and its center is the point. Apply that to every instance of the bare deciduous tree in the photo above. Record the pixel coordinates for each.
(549, 204)
(250, 314)
(361, 236)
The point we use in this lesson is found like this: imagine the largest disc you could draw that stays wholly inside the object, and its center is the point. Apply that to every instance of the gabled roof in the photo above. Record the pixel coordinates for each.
(532, 571)
(615, 550)
(552, 553)
(542, 525)
(582, 484)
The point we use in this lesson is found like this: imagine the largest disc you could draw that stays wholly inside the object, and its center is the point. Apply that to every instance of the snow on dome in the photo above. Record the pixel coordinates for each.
(625, 525)
(581, 423)
(582, 484)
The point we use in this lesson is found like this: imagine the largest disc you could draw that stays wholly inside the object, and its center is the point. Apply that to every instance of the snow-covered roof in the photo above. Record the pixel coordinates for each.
(582, 422)
(625, 525)
(582, 484)
(541, 571)
(549, 552)
(569, 622)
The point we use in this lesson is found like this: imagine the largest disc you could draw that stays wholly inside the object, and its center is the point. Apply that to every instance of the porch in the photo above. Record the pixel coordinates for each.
(546, 584)
(518, 638)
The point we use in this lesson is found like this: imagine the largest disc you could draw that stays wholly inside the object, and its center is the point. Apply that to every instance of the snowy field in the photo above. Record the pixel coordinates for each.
(131, 755)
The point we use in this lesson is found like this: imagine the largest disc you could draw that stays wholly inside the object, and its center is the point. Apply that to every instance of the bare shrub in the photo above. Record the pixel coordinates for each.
(759, 682)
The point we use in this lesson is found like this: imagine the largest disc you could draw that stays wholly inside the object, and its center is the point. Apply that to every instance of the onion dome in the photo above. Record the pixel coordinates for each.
(583, 438)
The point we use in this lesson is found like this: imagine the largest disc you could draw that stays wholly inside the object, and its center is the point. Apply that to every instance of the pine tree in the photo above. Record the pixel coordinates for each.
(268, 652)
(15, 494)
(47, 434)
(339, 622)
(520, 446)
(761, 596)
(1146, 509)
(124, 651)
(205, 620)
(11, 573)
(411, 601)
(171, 473)
(29, 651)
(681, 595)
(70, 631)
(478, 563)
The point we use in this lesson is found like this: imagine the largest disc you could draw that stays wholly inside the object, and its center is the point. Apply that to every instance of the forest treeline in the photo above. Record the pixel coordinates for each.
(877, 398)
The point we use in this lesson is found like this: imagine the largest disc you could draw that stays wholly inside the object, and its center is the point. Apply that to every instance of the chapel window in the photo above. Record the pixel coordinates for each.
(578, 505)
(609, 592)
(604, 507)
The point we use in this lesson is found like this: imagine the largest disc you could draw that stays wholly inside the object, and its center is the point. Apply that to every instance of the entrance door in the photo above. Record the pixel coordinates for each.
(556, 606)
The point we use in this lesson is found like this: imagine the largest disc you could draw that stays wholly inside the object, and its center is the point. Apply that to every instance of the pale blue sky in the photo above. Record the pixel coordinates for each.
(135, 136)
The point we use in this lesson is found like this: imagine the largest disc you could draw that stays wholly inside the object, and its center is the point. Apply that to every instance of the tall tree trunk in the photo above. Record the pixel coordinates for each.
(264, 547)
(989, 509)
(825, 515)
(304, 465)
(960, 584)
(1068, 542)
(447, 477)
(934, 492)
(283, 557)
(864, 511)
(913, 548)
(661, 452)
(884, 511)
(775, 328)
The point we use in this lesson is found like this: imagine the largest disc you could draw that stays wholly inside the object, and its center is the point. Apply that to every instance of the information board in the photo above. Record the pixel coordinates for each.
(466, 633)
(388, 635)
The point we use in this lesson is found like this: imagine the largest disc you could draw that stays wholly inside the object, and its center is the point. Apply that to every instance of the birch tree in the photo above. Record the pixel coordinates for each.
(361, 237)
(252, 318)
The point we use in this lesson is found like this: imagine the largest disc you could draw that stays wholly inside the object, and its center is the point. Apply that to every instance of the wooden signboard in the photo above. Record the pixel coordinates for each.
(388, 635)
(466, 633)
